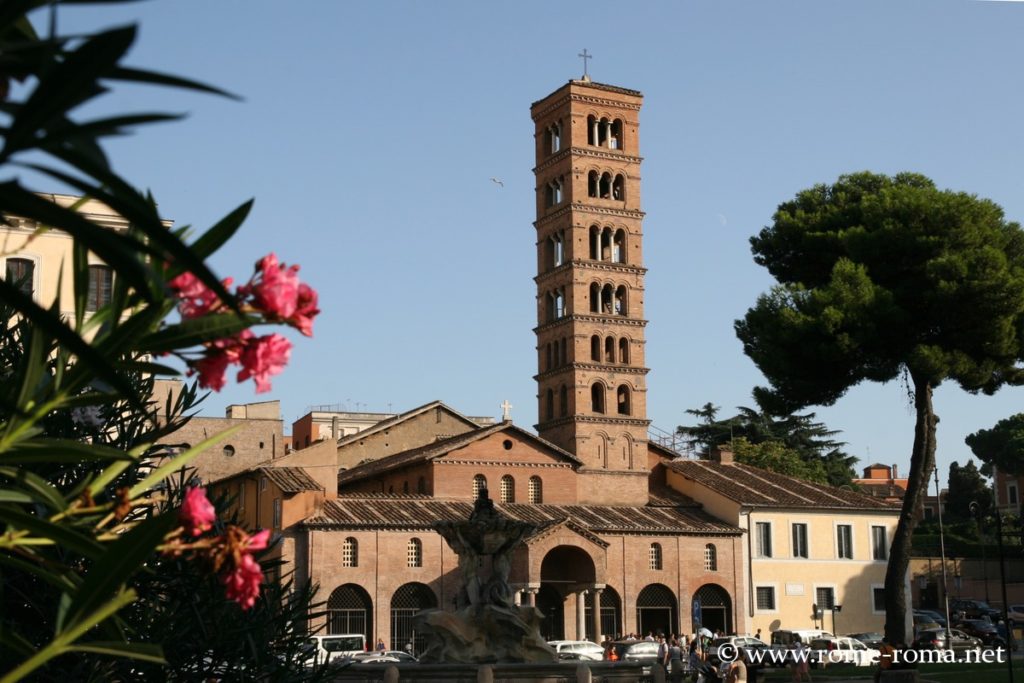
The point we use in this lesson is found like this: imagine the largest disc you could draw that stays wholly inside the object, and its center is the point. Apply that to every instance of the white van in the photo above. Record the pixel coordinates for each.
(338, 646)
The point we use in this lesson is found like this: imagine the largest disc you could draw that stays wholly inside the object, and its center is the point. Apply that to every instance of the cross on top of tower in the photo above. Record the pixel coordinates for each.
(506, 410)
(585, 57)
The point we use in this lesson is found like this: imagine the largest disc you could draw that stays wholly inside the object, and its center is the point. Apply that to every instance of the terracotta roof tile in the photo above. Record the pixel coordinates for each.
(290, 479)
(437, 449)
(402, 417)
(755, 487)
(400, 512)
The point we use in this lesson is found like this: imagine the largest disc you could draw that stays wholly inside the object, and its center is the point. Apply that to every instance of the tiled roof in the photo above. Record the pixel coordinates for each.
(290, 479)
(402, 417)
(404, 512)
(437, 449)
(755, 487)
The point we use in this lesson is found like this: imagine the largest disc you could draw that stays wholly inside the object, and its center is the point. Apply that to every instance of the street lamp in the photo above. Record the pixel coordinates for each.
(942, 552)
(835, 609)
(976, 511)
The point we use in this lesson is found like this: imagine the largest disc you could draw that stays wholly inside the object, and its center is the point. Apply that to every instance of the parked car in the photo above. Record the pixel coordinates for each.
(936, 640)
(923, 622)
(584, 648)
(984, 630)
(872, 639)
(747, 643)
(974, 609)
(1016, 614)
(640, 651)
(341, 646)
(831, 651)
(937, 617)
(378, 656)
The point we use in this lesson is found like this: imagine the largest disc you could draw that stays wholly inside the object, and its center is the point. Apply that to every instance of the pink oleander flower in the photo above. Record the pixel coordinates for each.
(212, 368)
(197, 514)
(196, 299)
(305, 310)
(276, 290)
(259, 540)
(242, 583)
(262, 358)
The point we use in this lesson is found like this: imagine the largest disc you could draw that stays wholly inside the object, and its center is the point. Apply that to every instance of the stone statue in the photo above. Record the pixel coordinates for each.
(487, 626)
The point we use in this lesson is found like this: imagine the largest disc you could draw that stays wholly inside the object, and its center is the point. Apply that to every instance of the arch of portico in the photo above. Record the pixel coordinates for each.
(565, 570)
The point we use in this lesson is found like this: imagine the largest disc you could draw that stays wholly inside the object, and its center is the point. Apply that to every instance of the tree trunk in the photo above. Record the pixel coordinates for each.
(922, 462)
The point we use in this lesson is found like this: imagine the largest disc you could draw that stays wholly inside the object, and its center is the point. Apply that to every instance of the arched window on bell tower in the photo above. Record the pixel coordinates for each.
(550, 404)
(592, 182)
(616, 137)
(619, 187)
(607, 294)
(595, 243)
(603, 129)
(592, 130)
(622, 400)
(620, 301)
(595, 348)
(619, 246)
(604, 186)
(624, 351)
(609, 350)
(597, 398)
(606, 244)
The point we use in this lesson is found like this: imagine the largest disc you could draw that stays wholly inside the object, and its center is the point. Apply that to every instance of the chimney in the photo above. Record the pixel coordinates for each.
(895, 471)
(722, 454)
(334, 427)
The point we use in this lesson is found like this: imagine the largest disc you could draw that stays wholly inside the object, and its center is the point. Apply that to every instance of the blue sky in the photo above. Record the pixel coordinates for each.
(369, 132)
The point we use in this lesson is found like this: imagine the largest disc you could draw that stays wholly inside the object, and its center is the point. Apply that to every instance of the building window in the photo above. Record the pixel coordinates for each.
(508, 489)
(710, 558)
(825, 598)
(655, 556)
(350, 553)
(479, 484)
(622, 400)
(229, 450)
(421, 485)
(536, 490)
(800, 540)
(878, 599)
(414, 553)
(765, 598)
(1011, 494)
(844, 539)
(21, 272)
(879, 547)
(763, 531)
(597, 398)
(101, 284)
(277, 513)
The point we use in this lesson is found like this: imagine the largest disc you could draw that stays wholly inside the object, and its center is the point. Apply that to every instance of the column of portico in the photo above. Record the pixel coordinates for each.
(596, 606)
(531, 593)
(581, 614)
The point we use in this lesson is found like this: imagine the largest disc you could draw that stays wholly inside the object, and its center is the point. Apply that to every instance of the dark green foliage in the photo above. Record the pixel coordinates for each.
(966, 486)
(1002, 446)
(85, 593)
(882, 277)
(812, 442)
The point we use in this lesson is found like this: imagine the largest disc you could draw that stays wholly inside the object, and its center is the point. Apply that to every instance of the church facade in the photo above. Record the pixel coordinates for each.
(625, 541)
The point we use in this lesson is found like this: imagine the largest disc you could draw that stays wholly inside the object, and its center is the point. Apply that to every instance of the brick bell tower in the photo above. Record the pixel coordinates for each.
(590, 287)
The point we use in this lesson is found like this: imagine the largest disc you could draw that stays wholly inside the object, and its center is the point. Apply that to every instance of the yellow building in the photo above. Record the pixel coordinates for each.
(807, 545)
(41, 260)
